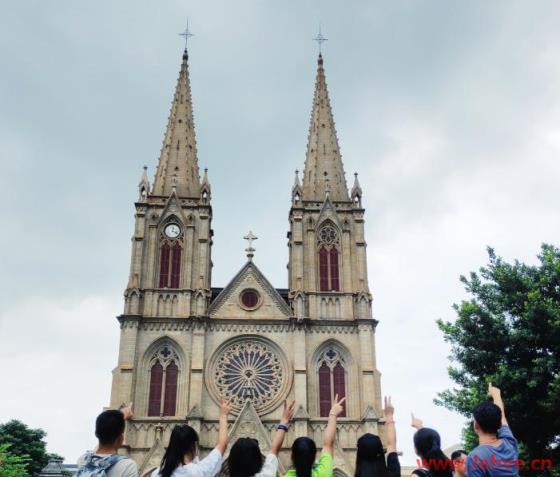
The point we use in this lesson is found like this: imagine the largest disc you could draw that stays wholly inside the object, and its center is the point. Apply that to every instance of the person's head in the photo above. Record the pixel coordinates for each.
(183, 445)
(459, 459)
(487, 418)
(370, 457)
(304, 451)
(109, 428)
(245, 458)
(427, 444)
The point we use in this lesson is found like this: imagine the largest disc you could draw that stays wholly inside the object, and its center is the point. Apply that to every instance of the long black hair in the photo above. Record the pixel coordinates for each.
(245, 458)
(370, 458)
(183, 440)
(428, 446)
(304, 451)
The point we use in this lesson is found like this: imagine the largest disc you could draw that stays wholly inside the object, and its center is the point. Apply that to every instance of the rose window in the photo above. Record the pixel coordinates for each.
(250, 369)
(328, 235)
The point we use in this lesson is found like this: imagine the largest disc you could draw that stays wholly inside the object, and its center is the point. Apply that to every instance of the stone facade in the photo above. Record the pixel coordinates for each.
(184, 343)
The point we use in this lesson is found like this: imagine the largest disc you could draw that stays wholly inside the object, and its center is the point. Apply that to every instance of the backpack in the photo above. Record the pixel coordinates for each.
(96, 466)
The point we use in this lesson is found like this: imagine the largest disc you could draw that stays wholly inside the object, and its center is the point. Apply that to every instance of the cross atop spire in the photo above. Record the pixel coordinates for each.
(186, 35)
(320, 39)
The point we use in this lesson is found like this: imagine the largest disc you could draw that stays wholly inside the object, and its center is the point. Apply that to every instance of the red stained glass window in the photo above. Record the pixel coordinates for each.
(333, 258)
(324, 390)
(176, 266)
(339, 383)
(323, 269)
(154, 400)
(250, 298)
(170, 395)
(164, 265)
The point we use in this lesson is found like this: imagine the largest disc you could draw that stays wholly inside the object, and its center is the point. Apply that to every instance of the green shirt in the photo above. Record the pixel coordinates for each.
(323, 468)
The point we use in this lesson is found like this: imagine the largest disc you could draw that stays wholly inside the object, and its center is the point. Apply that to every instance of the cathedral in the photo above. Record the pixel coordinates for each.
(184, 343)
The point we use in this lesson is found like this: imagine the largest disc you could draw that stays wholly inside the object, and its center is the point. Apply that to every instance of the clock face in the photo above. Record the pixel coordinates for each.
(172, 231)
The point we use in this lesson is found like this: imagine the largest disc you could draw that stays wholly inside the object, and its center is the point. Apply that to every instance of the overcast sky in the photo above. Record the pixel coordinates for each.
(449, 110)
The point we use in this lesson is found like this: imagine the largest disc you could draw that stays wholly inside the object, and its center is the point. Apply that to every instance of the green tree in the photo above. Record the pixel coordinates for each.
(11, 465)
(508, 333)
(25, 442)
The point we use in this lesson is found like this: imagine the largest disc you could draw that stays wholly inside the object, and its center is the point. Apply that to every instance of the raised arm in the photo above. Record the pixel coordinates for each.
(390, 426)
(496, 396)
(126, 410)
(225, 409)
(287, 415)
(330, 431)
(416, 422)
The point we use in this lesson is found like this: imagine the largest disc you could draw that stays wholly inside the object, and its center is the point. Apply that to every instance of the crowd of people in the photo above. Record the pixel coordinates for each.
(495, 455)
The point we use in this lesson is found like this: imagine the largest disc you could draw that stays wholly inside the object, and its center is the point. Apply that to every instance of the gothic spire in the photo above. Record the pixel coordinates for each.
(324, 171)
(178, 162)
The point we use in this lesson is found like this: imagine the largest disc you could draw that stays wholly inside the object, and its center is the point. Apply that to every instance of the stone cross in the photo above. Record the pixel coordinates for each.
(250, 237)
(320, 39)
(186, 34)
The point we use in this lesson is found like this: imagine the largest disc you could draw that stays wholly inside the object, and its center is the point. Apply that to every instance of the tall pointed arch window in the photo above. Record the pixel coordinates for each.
(332, 380)
(329, 263)
(163, 378)
(170, 256)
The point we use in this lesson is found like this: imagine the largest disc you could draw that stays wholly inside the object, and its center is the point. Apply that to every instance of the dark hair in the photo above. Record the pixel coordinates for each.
(456, 454)
(370, 458)
(182, 441)
(428, 446)
(303, 456)
(109, 425)
(488, 416)
(245, 458)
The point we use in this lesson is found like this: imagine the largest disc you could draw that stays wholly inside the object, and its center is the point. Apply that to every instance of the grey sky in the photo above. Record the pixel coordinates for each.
(450, 112)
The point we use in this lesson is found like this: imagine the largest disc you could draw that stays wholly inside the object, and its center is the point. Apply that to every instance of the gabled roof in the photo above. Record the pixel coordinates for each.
(249, 277)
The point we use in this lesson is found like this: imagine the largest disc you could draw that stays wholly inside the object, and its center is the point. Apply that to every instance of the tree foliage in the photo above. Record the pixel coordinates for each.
(508, 333)
(26, 443)
(11, 465)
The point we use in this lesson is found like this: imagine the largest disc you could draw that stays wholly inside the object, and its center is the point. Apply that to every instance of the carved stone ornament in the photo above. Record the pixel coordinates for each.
(249, 368)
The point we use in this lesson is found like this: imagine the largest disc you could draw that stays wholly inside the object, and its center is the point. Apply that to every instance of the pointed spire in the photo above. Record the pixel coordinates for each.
(356, 193)
(205, 189)
(297, 191)
(323, 154)
(178, 162)
(144, 185)
(296, 179)
(356, 189)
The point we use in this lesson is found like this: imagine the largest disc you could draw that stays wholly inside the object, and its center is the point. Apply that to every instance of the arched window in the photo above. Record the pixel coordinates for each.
(164, 377)
(156, 378)
(332, 380)
(164, 265)
(170, 257)
(176, 265)
(329, 270)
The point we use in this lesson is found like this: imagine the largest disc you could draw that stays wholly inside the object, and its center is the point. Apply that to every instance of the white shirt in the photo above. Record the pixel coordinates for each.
(207, 467)
(123, 468)
(270, 467)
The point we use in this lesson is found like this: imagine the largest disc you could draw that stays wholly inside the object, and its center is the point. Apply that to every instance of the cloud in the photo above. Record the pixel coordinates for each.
(56, 367)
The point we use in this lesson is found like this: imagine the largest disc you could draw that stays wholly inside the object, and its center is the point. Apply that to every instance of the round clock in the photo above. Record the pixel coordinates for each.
(172, 231)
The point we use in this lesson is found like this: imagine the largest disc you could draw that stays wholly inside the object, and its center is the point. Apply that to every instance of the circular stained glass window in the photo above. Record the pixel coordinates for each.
(249, 368)
(328, 235)
(250, 299)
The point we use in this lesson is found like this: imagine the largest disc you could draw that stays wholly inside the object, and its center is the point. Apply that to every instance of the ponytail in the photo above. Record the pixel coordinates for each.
(438, 463)
(428, 446)
(303, 456)
(183, 440)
